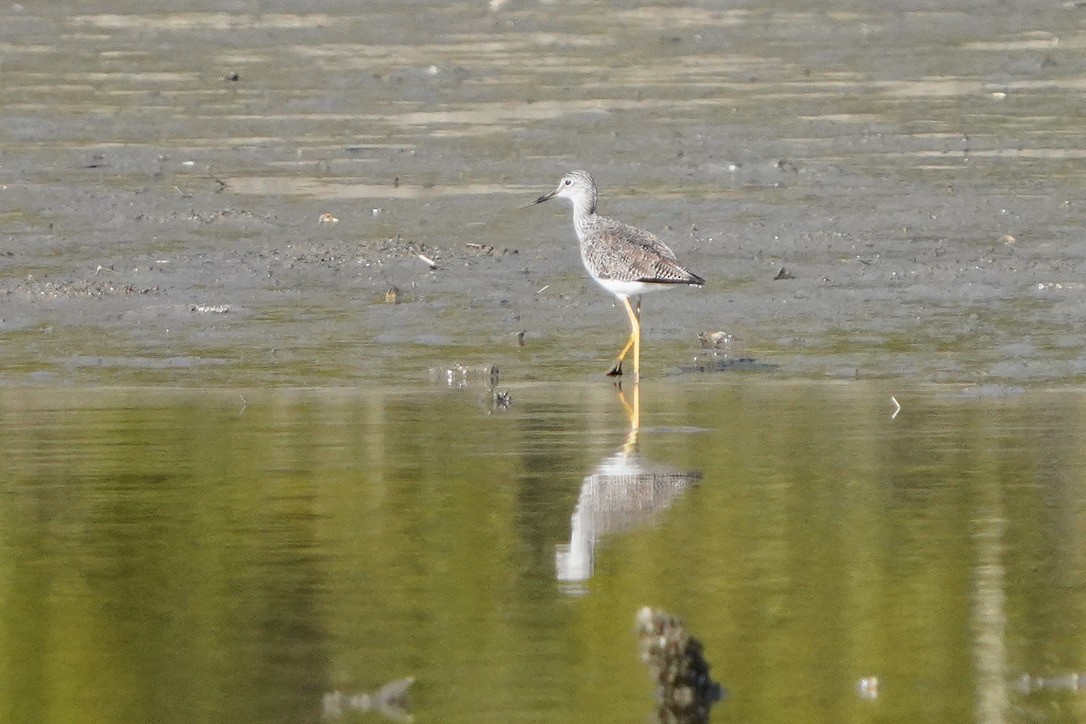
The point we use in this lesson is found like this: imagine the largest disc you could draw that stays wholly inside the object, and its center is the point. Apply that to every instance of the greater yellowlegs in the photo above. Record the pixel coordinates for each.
(623, 259)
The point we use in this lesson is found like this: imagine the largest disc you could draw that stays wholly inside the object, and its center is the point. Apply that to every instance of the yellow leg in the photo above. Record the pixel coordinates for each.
(616, 368)
(633, 412)
(634, 313)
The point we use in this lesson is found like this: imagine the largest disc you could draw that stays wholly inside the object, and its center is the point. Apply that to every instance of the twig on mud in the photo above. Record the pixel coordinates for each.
(897, 406)
(429, 262)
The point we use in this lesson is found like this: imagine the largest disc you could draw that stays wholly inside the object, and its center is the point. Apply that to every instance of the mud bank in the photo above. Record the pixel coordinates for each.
(917, 173)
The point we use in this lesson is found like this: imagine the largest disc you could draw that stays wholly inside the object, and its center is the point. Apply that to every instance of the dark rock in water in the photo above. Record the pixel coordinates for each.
(713, 363)
(684, 690)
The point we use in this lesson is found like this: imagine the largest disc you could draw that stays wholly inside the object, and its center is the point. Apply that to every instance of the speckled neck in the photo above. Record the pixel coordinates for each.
(584, 213)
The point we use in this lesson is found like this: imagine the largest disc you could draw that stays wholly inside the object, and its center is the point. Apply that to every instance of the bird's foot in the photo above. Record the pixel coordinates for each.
(616, 369)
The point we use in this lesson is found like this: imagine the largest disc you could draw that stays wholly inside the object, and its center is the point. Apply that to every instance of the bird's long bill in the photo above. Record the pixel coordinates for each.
(541, 199)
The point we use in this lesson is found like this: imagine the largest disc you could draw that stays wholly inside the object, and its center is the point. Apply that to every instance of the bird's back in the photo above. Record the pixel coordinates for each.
(613, 251)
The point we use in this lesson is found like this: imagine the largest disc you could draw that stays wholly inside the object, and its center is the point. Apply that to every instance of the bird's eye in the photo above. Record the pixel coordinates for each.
(568, 181)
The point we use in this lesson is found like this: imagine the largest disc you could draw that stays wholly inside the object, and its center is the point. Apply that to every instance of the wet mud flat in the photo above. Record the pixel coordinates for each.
(220, 196)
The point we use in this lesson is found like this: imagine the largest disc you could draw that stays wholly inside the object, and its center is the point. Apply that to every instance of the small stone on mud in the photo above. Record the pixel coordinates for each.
(327, 218)
(783, 273)
(714, 339)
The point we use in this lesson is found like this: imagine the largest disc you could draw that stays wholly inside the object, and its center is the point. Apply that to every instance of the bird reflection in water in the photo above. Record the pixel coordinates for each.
(623, 492)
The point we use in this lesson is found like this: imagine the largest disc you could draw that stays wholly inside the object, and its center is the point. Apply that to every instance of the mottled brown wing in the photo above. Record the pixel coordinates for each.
(625, 253)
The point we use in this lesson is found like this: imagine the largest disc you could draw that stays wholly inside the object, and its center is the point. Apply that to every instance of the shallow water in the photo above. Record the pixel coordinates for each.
(240, 555)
